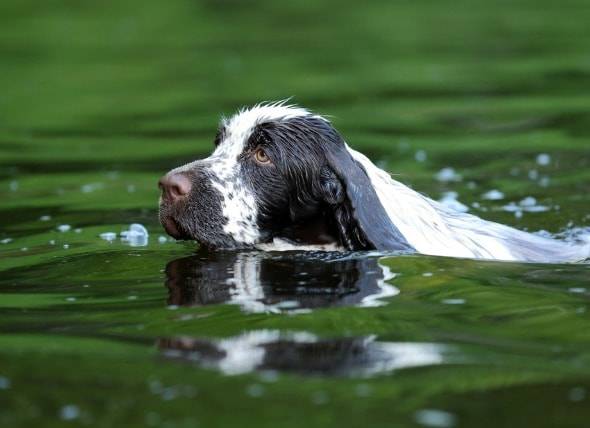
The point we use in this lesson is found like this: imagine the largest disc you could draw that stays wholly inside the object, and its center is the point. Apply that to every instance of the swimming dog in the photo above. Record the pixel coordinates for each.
(282, 177)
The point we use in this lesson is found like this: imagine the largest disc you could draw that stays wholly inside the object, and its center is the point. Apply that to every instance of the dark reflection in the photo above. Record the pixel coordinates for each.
(273, 282)
(271, 350)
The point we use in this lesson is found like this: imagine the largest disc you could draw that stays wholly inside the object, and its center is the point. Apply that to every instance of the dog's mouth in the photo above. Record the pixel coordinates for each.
(174, 229)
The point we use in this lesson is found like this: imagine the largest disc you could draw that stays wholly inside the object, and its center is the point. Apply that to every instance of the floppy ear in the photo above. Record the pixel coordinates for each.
(360, 217)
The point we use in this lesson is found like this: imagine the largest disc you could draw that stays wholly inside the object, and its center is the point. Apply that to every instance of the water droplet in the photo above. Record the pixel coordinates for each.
(69, 412)
(453, 301)
(435, 418)
(255, 390)
(420, 156)
(543, 159)
(108, 236)
(577, 394)
(448, 174)
(4, 382)
(493, 195)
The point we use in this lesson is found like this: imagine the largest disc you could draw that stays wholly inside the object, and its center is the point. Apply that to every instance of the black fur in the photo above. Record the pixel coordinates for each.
(199, 215)
(312, 180)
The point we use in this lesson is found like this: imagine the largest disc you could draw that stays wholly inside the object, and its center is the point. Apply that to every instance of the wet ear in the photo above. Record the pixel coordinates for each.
(360, 217)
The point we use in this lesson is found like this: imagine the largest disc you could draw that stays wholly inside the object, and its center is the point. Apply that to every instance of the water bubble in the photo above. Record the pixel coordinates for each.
(529, 201)
(162, 239)
(420, 156)
(69, 412)
(453, 301)
(6, 241)
(255, 390)
(64, 227)
(543, 159)
(45, 218)
(108, 236)
(91, 187)
(435, 418)
(448, 174)
(169, 393)
(544, 181)
(577, 394)
(577, 290)
(136, 236)
(493, 195)
(4, 382)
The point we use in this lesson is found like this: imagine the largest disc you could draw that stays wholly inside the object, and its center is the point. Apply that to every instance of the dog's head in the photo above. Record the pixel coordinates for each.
(276, 171)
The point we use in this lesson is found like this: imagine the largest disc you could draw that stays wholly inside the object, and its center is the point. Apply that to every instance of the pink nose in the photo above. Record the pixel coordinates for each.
(174, 186)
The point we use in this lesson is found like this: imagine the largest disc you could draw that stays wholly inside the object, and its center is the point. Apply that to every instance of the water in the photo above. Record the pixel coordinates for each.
(457, 99)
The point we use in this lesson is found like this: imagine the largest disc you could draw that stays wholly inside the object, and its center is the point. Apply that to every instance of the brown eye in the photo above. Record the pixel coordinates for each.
(261, 156)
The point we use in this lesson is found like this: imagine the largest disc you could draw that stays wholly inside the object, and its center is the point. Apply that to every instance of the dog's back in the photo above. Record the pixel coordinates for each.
(432, 228)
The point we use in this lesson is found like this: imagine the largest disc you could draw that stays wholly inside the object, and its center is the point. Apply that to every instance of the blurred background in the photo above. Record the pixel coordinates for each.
(484, 105)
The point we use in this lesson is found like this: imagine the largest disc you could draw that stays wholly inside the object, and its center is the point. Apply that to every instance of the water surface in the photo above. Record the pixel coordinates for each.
(481, 104)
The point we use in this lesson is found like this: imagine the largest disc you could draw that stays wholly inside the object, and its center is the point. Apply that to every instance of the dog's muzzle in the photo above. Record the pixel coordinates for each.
(175, 188)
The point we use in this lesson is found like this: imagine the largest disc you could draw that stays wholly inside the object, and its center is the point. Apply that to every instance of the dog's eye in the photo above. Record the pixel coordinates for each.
(261, 156)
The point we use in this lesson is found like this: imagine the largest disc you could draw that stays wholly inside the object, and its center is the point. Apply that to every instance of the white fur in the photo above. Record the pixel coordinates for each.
(244, 121)
(428, 226)
(241, 210)
(433, 229)
(279, 244)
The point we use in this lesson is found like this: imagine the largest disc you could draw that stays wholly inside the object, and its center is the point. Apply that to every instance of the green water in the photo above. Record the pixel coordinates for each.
(98, 99)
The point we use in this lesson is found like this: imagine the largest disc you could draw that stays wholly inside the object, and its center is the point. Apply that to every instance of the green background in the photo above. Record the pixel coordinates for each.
(98, 99)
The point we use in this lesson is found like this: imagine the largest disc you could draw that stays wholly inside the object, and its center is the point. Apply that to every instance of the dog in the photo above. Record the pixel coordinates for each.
(281, 177)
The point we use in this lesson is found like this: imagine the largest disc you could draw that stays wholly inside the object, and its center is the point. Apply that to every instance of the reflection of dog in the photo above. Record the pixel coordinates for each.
(279, 171)
(259, 282)
(301, 352)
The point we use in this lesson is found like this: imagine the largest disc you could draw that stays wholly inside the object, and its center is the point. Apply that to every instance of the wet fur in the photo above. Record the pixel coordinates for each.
(317, 190)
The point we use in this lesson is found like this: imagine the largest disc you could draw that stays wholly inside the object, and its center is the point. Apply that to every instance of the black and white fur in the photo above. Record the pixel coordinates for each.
(317, 191)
